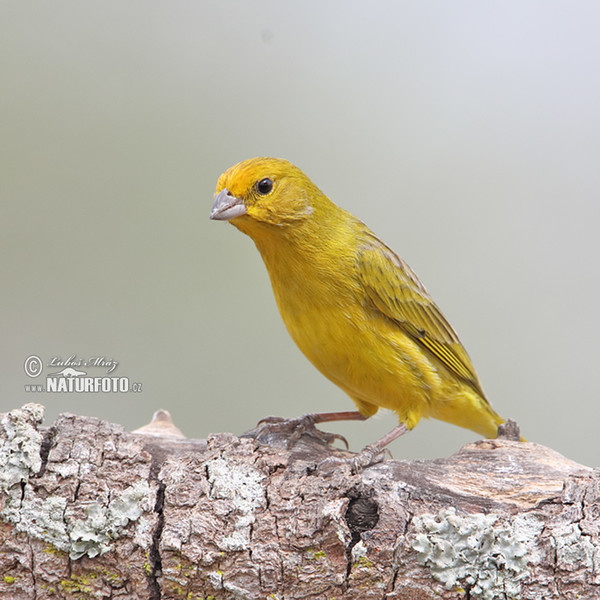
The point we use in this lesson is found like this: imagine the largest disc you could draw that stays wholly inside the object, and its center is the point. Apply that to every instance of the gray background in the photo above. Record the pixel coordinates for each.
(465, 134)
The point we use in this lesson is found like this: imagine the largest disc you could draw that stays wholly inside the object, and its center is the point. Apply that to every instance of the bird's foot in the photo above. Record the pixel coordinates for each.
(375, 453)
(356, 463)
(370, 455)
(296, 428)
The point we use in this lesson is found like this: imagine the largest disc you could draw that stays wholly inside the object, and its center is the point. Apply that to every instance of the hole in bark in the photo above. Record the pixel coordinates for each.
(361, 515)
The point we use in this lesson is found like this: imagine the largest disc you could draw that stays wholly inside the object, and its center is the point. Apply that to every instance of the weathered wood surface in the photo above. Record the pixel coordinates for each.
(88, 510)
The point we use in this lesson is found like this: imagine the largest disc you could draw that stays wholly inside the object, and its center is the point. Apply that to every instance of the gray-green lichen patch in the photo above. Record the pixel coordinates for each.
(575, 550)
(49, 520)
(242, 486)
(43, 519)
(483, 552)
(93, 535)
(54, 518)
(20, 445)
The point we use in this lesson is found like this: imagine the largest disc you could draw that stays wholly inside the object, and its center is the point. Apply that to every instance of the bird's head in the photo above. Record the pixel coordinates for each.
(265, 192)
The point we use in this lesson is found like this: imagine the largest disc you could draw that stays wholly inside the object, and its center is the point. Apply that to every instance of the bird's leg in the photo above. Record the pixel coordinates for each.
(371, 454)
(306, 424)
(347, 415)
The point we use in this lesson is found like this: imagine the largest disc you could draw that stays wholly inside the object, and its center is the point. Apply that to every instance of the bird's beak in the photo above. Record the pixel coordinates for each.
(227, 207)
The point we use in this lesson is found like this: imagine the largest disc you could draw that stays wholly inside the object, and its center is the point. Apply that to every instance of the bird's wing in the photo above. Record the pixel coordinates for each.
(396, 292)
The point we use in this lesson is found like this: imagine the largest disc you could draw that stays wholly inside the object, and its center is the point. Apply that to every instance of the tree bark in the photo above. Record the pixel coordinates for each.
(88, 510)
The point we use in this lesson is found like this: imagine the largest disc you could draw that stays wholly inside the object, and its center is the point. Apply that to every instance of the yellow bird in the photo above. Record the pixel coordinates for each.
(354, 308)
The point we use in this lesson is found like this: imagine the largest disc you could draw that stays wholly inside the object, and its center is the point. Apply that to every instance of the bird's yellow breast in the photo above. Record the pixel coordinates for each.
(331, 321)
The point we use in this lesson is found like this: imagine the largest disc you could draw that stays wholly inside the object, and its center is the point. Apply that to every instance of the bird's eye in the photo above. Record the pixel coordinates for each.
(264, 186)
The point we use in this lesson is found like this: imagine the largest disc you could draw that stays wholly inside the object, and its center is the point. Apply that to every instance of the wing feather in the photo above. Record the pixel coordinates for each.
(395, 291)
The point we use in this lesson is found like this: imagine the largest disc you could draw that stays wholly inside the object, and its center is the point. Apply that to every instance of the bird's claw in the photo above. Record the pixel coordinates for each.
(296, 428)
